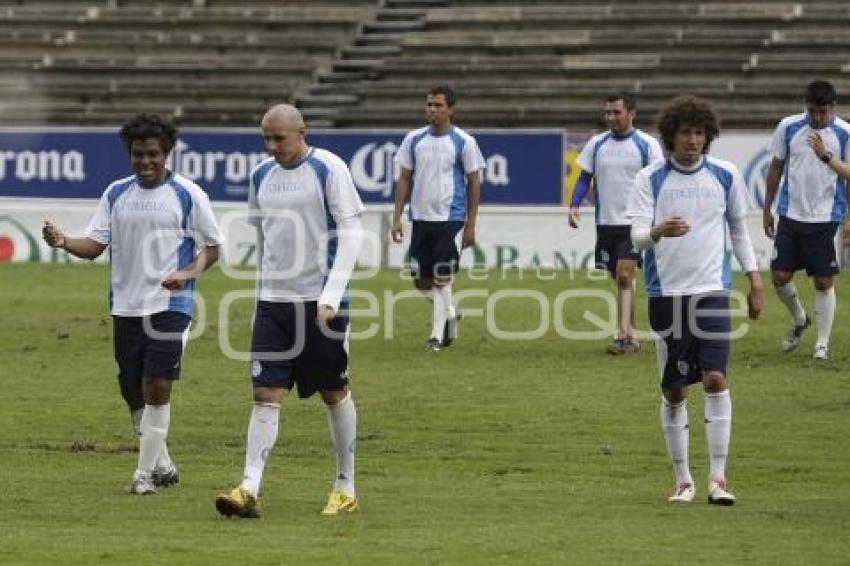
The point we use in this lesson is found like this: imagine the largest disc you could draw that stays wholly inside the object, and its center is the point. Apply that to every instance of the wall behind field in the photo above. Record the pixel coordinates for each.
(59, 174)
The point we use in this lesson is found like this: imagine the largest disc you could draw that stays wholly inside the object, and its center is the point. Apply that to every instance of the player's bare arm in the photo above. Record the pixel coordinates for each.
(774, 174)
(755, 298)
(402, 191)
(473, 197)
(203, 261)
(85, 248)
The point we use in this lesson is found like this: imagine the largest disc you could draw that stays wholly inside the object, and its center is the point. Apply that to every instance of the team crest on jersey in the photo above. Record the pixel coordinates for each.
(256, 368)
(683, 367)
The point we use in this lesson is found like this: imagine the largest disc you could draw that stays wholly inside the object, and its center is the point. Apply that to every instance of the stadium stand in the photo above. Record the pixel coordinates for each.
(367, 63)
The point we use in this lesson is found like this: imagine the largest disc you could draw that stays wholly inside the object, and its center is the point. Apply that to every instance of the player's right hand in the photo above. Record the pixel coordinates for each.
(52, 235)
(397, 232)
(767, 221)
(573, 217)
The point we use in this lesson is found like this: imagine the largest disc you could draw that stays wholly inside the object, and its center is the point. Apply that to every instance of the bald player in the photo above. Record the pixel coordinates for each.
(307, 212)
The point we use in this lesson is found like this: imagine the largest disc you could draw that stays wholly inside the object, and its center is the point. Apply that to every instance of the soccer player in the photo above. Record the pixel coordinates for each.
(440, 169)
(610, 161)
(812, 203)
(681, 210)
(161, 232)
(307, 212)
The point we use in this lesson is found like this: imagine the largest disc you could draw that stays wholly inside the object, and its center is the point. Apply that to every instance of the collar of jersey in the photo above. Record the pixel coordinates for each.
(167, 180)
(828, 124)
(298, 163)
(679, 169)
(432, 134)
(617, 136)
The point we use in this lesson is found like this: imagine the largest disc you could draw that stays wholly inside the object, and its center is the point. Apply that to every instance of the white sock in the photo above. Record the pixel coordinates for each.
(442, 309)
(718, 428)
(789, 297)
(262, 435)
(154, 431)
(342, 422)
(674, 423)
(824, 314)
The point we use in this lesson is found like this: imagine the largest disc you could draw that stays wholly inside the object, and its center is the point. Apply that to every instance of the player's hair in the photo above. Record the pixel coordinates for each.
(820, 93)
(628, 100)
(147, 126)
(688, 111)
(447, 93)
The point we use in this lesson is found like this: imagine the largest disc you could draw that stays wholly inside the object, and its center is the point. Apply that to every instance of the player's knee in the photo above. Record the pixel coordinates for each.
(423, 284)
(781, 278)
(714, 381)
(823, 283)
(674, 395)
(333, 396)
(624, 279)
(157, 390)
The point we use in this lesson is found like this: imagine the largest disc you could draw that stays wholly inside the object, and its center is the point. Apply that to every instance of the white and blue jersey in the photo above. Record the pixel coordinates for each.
(297, 208)
(707, 197)
(810, 191)
(152, 232)
(613, 160)
(440, 165)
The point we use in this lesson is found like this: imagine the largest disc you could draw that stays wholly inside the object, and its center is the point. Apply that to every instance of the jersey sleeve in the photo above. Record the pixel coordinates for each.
(473, 160)
(585, 158)
(777, 147)
(738, 204)
(655, 151)
(641, 201)
(205, 227)
(403, 157)
(100, 226)
(342, 198)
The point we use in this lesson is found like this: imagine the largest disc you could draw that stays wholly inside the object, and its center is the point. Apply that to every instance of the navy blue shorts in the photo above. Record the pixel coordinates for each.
(692, 342)
(138, 354)
(614, 243)
(434, 250)
(289, 347)
(805, 245)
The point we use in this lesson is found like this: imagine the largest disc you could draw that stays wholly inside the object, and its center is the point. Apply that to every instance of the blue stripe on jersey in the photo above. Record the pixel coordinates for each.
(725, 178)
(643, 148)
(793, 128)
(117, 190)
(458, 207)
(413, 143)
(322, 172)
(653, 281)
(727, 271)
(185, 201)
(839, 206)
(183, 300)
(260, 173)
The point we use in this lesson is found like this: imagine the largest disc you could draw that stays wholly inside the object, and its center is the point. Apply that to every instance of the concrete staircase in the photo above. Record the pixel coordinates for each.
(336, 91)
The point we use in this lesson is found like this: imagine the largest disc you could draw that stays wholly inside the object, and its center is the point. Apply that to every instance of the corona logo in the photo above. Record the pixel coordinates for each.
(16, 243)
(207, 166)
(372, 168)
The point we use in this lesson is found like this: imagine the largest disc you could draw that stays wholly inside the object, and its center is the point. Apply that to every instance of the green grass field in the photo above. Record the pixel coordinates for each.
(545, 451)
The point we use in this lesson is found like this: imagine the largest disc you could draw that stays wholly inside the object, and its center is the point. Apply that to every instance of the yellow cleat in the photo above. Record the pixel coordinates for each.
(340, 503)
(238, 502)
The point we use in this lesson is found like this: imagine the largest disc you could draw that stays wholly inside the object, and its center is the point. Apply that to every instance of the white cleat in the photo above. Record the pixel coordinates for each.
(684, 493)
(142, 485)
(821, 352)
(792, 339)
(718, 493)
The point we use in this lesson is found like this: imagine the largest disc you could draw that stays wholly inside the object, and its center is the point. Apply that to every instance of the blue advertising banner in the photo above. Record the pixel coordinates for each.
(523, 167)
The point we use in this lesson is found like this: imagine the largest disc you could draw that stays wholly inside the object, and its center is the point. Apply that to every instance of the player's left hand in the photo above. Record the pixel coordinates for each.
(175, 281)
(325, 313)
(468, 238)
